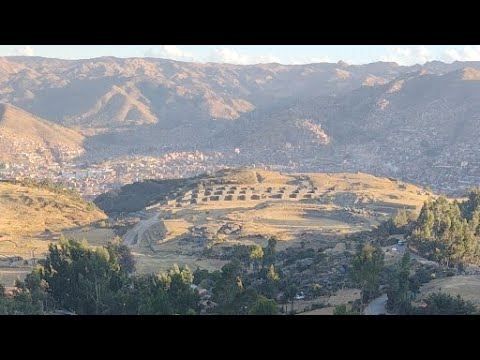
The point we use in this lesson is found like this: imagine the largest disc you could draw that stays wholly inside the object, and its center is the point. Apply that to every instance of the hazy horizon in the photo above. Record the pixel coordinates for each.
(257, 54)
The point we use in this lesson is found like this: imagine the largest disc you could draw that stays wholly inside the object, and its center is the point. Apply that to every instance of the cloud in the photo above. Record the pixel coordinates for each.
(408, 55)
(468, 53)
(309, 60)
(24, 51)
(231, 56)
(170, 52)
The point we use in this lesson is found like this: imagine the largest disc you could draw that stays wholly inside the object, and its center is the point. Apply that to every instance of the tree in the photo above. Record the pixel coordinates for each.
(228, 288)
(241, 253)
(5, 302)
(272, 279)
(290, 291)
(398, 292)
(270, 252)
(366, 269)
(181, 296)
(264, 306)
(472, 204)
(343, 310)
(82, 279)
(147, 295)
(445, 304)
(256, 255)
(87, 280)
(272, 274)
(122, 254)
(447, 232)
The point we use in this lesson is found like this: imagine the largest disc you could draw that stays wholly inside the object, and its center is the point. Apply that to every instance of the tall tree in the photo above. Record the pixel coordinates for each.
(256, 256)
(270, 252)
(398, 287)
(264, 306)
(366, 269)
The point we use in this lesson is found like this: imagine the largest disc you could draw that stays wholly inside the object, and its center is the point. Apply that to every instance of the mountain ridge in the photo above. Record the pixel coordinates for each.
(382, 118)
(22, 132)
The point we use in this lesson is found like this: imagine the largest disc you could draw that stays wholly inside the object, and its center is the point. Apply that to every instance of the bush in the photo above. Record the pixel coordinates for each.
(343, 310)
(317, 290)
(445, 304)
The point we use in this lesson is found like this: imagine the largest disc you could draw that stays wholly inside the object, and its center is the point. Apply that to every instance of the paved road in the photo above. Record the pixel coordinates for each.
(377, 306)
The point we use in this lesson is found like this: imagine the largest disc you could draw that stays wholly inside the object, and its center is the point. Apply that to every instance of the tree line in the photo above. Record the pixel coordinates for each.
(102, 281)
(445, 231)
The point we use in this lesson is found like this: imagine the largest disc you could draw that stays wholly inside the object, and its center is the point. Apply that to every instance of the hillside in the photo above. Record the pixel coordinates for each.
(30, 209)
(418, 122)
(32, 215)
(146, 90)
(26, 138)
(196, 220)
(138, 91)
(421, 127)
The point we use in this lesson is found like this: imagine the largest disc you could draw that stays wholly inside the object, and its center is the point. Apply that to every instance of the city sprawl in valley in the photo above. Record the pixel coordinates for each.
(153, 186)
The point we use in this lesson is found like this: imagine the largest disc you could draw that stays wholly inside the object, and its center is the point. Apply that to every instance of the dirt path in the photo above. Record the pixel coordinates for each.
(377, 306)
(134, 236)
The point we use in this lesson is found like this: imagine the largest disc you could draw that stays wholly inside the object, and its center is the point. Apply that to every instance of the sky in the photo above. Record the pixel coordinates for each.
(254, 54)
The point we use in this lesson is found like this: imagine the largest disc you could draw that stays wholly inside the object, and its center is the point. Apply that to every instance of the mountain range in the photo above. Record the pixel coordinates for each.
(414, 122)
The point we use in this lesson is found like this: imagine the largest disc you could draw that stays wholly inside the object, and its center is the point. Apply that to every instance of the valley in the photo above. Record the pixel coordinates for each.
(198, 220)
(143, 119)
(154, 186)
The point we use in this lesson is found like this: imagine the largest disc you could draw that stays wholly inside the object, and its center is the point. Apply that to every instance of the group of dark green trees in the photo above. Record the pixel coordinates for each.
(449, 232)
(251, 283)
(85, 280)
(402, 285)
(445, 231)
(95, 281)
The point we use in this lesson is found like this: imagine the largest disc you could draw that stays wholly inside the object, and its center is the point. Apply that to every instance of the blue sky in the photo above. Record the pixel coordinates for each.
(251, 54)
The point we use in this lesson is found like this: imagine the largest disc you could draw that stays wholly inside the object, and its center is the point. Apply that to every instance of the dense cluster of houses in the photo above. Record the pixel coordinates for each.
(452, 172)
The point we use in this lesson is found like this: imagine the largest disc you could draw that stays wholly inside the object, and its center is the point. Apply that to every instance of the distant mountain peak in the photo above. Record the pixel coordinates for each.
(470, 73)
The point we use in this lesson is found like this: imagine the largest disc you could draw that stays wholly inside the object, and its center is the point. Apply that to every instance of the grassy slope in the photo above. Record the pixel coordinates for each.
(28, 210)
(30, 130)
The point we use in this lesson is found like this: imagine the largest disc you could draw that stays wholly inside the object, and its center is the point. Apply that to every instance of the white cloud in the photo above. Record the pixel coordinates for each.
(468, 53)
(310, 60)
(408, 55)
(170, 52)
(24, 51)
(232, 56)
